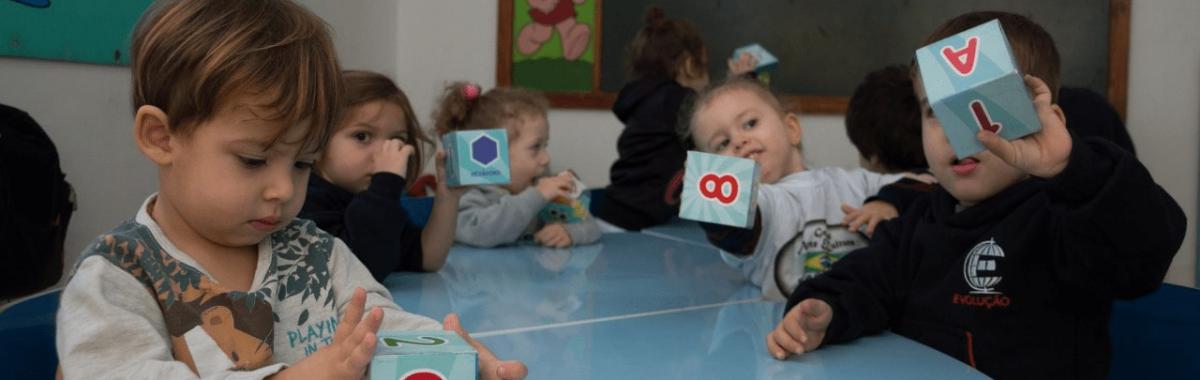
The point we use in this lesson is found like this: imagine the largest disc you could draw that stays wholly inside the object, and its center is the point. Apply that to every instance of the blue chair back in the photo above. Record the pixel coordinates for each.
(1155, 336)
(27, 333)
(418, 209)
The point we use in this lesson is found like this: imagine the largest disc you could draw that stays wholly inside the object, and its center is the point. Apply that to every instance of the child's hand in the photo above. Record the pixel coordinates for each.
(1043, 154)
(392, 157)
(353, 345)
(490, 367)
(744, 63)
(560, 185)
(801, 330)
(442, 189)
(871, 214)
(553, 235)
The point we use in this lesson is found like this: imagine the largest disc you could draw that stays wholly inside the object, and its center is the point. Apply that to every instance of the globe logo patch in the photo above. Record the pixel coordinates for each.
(979, 268)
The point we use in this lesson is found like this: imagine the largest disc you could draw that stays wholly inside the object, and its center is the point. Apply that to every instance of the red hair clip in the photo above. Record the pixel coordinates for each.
(470, 91)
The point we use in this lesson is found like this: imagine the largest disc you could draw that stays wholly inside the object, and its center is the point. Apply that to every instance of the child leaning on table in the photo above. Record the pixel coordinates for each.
(214, 277)
(1012, 264)
(802, 225)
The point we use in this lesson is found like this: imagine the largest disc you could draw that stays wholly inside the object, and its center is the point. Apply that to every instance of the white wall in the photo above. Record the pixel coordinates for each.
(1164, 107)
(425, 44)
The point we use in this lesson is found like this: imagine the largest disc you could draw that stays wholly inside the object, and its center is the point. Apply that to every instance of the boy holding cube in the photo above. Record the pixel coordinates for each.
(1012, 264)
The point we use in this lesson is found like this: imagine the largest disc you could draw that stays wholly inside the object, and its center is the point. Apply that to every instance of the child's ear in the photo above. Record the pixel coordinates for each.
(152, 132)
(794, 131)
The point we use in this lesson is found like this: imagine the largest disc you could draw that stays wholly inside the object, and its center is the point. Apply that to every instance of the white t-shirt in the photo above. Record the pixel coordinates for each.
(802, 230)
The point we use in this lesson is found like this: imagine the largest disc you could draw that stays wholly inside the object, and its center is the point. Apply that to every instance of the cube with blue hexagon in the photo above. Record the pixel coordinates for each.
(476, 157)
(766, 61)
(972, 82)
(720, 189)
(420, 355)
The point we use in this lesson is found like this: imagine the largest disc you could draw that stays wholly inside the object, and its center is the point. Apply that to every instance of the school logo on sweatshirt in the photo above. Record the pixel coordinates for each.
(980, 272)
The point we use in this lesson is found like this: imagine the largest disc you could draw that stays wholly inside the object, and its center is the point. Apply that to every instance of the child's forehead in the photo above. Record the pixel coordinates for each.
(733, 104)
(250, 120)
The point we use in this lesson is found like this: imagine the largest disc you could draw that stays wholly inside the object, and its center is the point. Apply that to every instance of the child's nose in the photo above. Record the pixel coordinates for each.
(279, 186)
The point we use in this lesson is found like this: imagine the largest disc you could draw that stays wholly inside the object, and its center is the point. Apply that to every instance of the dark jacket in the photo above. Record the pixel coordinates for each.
(1019, 285)
(649, 155)
(372, 223)
(1089, 114)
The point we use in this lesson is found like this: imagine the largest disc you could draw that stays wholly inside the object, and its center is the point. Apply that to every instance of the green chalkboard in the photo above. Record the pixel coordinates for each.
(89, 31)
(826, 47)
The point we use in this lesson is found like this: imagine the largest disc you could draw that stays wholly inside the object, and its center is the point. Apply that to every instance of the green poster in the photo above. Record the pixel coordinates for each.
(69, 30)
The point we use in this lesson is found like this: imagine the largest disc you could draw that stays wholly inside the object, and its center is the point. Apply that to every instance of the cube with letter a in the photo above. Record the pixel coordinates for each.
(423, 355)
(720, 189)
(476, 157)
(971, 82)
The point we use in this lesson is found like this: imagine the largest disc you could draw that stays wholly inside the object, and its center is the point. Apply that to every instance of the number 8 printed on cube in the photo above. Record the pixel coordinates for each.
(720, 189)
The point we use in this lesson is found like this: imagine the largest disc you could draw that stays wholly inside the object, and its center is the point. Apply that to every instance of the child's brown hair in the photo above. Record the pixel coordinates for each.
(1033, 48)
(463, 107)
(190, 57)
(883, 120)
(662, 46)
(363, 87)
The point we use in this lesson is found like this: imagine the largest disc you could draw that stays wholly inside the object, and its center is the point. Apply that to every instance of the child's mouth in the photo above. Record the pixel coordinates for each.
(265, 224)
(965, 166)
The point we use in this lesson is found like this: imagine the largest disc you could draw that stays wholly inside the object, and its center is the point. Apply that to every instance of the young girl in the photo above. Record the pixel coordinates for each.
(668, 62)
(355, 191)
(801, 215)
(493, 215)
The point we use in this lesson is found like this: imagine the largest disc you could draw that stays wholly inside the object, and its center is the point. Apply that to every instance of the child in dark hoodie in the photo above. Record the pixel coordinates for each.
(667, 60)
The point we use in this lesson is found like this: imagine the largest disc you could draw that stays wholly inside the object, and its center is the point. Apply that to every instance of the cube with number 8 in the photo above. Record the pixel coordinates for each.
(720, 189)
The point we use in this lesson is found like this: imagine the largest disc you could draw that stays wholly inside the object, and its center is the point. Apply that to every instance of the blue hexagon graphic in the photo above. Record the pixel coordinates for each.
(484, 150)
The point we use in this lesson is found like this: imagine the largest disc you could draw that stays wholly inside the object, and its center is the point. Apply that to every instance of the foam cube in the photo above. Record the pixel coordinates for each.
(720, 189)
(971, 82)
(476, 157)
(766, 61)
(570, 209)
(421, 355)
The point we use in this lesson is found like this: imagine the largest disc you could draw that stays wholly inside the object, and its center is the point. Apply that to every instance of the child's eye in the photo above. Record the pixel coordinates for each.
(750, 124)
(362, 136)
(721, 145)
(303, 165)
(251, 162)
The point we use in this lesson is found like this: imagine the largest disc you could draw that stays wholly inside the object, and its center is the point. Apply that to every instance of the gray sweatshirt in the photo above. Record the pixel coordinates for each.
(138, 307)
(489, 216)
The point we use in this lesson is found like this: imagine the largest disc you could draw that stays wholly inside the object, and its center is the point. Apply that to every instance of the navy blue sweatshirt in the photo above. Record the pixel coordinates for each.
(649, 154)
(372, 222)
(1019, 285)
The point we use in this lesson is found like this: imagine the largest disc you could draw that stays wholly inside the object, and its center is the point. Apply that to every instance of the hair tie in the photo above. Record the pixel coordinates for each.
(470, 91)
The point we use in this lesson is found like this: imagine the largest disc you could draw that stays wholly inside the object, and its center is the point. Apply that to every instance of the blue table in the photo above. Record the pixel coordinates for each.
(681, 230)
(636, 304)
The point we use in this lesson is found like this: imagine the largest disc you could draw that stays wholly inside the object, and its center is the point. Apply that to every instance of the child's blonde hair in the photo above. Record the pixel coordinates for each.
(690, 109)
(463, 107)
(363, 87)
(191, 57)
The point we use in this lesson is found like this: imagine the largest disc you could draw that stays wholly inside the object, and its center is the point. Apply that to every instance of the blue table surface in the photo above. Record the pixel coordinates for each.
(680, 230)
(638, 304)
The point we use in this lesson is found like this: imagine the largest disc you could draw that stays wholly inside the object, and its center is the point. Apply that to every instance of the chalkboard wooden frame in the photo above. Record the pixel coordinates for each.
(1118, 68)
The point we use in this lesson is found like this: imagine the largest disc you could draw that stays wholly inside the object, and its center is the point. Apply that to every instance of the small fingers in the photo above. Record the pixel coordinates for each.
(354, 313)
